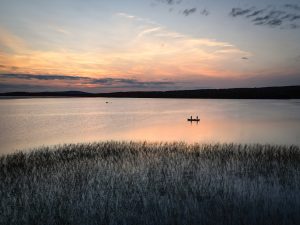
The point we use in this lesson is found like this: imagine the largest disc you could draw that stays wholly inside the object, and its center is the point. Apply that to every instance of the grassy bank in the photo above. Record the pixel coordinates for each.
(151, 183)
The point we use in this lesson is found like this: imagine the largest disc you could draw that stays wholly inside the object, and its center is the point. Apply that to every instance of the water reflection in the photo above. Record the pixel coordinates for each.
(26, 123)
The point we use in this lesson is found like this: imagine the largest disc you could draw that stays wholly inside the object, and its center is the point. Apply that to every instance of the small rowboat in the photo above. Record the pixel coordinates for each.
(191, 119)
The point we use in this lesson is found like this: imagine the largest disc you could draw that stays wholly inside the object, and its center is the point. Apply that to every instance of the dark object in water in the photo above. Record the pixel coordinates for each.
(195, 119)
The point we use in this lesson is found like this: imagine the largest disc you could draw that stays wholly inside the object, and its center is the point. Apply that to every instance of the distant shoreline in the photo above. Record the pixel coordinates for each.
(285, 92)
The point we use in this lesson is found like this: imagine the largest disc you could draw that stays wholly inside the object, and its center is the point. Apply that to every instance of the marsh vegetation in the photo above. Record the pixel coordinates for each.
(151, 183)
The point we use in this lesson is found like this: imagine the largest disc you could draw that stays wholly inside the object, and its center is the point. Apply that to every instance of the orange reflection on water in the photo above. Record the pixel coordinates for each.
(203, 131)
(213, 131)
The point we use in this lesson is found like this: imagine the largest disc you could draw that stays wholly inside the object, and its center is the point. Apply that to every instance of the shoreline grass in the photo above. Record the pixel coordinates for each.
(151, 183)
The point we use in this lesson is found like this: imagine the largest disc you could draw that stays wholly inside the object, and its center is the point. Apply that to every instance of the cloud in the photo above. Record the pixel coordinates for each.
(41, 77)
(25, 87)
(170, 2)
(4, 68)
(270, 16)
(205, 12)
(11, 42)
(136, 18)
(60, 30)
(128, 16)
(258, 80)
(255, 13)
(239, 12)
(187, 12)
(148, 31)
(146, 51)
(292, 6)
(86, 81)
(129, 82)
(293, 26)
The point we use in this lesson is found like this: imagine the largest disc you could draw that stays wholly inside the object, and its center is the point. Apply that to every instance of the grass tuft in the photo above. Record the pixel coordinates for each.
(151, 183)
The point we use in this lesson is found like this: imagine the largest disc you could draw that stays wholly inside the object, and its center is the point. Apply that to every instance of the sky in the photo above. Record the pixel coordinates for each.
(143, 45)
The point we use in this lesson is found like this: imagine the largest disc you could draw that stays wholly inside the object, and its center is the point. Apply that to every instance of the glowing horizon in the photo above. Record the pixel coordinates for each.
(125, 47)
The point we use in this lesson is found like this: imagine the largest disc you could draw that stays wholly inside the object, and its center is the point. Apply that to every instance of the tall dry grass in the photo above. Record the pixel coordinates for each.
(151, 183)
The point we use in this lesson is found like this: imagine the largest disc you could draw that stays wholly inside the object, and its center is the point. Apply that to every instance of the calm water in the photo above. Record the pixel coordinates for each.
(28, 123)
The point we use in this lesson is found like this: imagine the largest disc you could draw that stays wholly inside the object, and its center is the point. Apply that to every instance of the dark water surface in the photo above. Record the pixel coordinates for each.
(29, 123)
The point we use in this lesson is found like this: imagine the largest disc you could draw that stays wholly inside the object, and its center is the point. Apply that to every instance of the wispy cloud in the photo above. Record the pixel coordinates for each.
(240, 12)
(85, 81)
(293, 6)
(187, 12)
(42, 77)
(128, 16)
(176, 4)
(148, 51)
(270, 16)
(10, 42)
(60, 30)
(205, 12)
(10, 87)
(170, 2)
(148, 31)
(136, 18)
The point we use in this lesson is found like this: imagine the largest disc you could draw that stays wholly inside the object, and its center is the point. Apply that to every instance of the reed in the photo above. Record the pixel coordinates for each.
(151, 183)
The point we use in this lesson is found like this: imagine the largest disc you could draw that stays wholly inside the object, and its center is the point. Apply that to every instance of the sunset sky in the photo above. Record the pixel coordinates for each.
(121, 45)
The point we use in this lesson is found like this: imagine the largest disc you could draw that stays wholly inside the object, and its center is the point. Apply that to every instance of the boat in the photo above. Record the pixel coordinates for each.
(191, 119)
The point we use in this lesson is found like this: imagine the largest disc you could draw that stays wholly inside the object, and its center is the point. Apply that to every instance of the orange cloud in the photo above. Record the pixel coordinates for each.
(147, 51)
(11, 42)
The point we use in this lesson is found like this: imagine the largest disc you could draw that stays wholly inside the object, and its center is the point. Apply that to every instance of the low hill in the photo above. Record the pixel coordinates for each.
(286, 92)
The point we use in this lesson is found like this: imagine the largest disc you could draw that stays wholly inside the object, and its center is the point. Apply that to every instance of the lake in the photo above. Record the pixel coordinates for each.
(33, 122)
